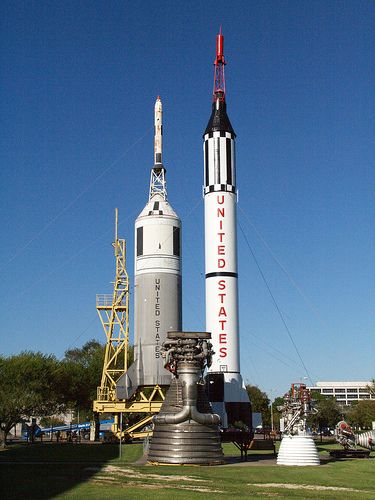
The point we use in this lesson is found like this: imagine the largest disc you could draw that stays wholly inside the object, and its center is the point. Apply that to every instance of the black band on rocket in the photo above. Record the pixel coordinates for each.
(219, 187)
(213, 275)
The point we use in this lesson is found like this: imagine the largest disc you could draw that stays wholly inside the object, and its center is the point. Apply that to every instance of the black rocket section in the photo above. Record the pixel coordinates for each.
(219, 121)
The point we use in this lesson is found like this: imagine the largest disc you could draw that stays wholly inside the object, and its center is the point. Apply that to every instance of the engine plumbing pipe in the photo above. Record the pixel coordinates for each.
(188, 357)
(188, 374)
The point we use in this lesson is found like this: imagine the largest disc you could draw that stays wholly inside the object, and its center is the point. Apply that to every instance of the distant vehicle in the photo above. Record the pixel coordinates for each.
(262, 430)
(326, 431)
(82, 428)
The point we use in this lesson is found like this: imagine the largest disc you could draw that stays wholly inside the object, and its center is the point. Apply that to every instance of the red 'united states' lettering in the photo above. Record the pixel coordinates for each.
(221, 284)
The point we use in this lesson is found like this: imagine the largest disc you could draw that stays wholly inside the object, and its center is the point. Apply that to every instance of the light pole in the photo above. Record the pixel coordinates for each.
(271, 391)
(120, 449)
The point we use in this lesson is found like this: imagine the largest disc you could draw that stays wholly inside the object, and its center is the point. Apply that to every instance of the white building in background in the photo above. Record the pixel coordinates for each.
(344, 392)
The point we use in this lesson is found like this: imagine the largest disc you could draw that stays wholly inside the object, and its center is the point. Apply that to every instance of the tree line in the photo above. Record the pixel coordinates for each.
(33, 384)
(360, 414)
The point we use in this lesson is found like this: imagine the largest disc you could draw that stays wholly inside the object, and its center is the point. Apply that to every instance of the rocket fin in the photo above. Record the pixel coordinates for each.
(129, 382)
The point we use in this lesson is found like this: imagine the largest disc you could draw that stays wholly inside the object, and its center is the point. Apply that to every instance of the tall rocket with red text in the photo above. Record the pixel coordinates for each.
(225, 387)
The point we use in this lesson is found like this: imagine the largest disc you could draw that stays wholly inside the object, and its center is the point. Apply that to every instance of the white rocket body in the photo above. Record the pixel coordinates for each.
(221, 279)
(157, 282)
(225, 387)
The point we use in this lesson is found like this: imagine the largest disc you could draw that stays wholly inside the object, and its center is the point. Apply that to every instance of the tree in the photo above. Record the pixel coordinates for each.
(80, 374)
(51, 421)
(29, 387)
(259, 402)
(34, 384)
(329, 412)
(362, 414)
(279, 401)
(371, 387)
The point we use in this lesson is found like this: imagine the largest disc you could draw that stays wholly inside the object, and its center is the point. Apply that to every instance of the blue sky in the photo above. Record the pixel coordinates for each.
(79, 81)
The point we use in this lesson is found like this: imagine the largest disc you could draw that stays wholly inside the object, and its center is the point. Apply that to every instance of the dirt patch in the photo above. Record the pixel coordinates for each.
(113, 469)
(153, 486)
(315, 487)
(118, 476)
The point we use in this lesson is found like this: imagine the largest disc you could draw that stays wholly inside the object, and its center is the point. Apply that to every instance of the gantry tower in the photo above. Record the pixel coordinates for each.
(113, 311)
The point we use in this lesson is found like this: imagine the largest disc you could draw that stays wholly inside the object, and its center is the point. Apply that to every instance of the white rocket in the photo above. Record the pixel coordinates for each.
(225, 386)
(157, 287)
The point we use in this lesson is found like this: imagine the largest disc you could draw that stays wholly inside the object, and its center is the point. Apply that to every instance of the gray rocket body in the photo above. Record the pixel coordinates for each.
(153, 292)
(157, 282)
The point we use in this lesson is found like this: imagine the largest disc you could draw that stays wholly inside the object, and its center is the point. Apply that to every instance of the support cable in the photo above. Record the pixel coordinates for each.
(73, 202)
(308, 301)
(276, 305)
(64, 263)
(88, 327)
(270, 346)
(285, 363)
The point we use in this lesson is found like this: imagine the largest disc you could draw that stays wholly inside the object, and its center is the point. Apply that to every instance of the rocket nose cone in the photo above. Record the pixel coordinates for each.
(219, 120)
(158, 104)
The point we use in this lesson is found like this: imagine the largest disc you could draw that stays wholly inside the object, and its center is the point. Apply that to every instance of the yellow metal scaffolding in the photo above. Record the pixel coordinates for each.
(113, 311)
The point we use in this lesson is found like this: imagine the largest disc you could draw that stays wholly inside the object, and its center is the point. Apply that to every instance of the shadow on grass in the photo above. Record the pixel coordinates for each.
(252, 459)
(43, 471)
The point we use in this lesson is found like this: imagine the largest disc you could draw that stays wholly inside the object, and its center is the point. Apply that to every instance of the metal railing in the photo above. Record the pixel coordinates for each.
(103, 394)
(104, 300)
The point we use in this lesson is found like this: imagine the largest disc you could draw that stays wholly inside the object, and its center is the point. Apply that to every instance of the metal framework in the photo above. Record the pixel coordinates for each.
(158, 184)
(113, 311)
(296, 409)
(219, 65)
(146, 400)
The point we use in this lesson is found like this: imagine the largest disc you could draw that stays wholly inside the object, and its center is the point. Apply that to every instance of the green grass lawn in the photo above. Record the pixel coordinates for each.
(94, 471)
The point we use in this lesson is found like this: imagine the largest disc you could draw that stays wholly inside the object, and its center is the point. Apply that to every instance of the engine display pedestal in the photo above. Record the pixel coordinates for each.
(298, 450)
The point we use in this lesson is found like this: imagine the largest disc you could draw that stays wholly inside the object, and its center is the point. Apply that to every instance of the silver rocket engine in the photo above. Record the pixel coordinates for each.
(345, 435)
(185, 430)
(157, 288)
